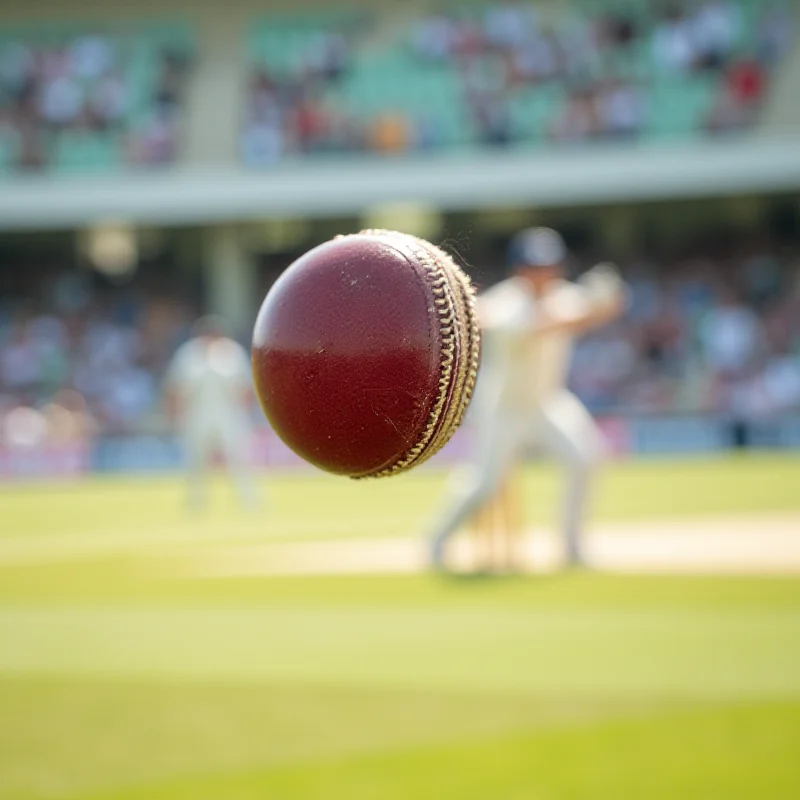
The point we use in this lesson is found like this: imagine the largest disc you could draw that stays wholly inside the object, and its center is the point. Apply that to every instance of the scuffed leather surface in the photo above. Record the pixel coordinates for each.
(346, 355)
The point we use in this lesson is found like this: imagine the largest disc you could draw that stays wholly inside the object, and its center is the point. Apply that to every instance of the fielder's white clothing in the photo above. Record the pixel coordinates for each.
(211, 377)
(521, 401)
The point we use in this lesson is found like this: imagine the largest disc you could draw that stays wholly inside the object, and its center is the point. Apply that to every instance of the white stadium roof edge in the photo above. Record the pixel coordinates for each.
(457, 181)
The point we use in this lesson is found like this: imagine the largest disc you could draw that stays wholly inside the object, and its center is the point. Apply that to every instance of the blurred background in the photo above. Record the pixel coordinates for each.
(163, 160)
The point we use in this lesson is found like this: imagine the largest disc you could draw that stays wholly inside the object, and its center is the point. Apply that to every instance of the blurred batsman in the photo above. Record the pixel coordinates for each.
(209, 391)
(529, 323)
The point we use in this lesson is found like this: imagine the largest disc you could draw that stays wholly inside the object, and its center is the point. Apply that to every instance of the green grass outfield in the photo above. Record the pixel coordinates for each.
(120, 679)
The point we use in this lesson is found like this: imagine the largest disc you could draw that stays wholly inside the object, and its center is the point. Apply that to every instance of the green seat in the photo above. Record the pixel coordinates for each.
(8, 151)
(85, 152)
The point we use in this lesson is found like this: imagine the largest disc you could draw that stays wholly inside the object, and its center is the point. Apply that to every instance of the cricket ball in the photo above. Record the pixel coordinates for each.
(365, 353)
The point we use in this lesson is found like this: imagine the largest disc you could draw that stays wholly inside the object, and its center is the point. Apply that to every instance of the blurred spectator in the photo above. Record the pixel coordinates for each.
(32, 152)
(508, 25)
(109, 100)
(309, 124)
(491, 117)
(775, 32)
(68, 419)
(644, 291)
(761, 276)
(781, 382)
(128, 393)
(60, 101)
(169, 90)
(731, 335)
(434, 37)
(390, 133)
(727, 114)
(536, 59)
(620, 109)
(262, 143)
(91, 56)
(17, 67)
(674, 47)
(579, 119)
(328, 57)
(426, 134)
(602, 364)
(19, 367)
(470, 41)
(580, 47)
(617, 29)
(154, 141)
(84, 83)
(714, 29)
(24, 428)
(739, 97)
(746, 83)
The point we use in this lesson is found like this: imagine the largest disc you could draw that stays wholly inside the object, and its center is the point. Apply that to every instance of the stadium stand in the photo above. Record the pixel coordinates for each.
(106, 345)
(505, 73)
(717, 330)
(82, 98)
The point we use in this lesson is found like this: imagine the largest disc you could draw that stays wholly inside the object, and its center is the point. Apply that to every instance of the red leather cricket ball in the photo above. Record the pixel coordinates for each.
(365, 353)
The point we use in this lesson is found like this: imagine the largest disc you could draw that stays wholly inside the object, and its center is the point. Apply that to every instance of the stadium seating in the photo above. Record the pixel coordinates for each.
(391, 74)
(105, 87)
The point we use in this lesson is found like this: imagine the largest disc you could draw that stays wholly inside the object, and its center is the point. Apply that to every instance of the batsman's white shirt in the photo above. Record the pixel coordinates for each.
(211, 377)
(522, 372)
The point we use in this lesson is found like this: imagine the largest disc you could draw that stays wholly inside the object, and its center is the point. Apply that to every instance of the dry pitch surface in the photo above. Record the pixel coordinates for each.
(739, 516)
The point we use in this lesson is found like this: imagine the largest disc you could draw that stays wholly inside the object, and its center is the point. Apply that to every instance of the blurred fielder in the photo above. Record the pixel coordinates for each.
(530, 322)
(209, 390)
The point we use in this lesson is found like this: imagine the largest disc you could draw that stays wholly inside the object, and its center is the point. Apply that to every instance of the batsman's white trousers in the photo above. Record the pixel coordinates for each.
(563, 428)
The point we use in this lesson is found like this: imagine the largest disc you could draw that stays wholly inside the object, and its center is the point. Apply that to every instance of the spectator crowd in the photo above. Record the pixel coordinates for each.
(606, 69)
(105, 88)
(710, 333)
(495, 73)
(85, 361)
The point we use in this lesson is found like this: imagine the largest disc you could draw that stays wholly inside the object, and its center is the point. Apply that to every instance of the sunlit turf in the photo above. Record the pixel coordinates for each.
(122, 680)
(121, 511)
(393, 687)
(735, 753)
